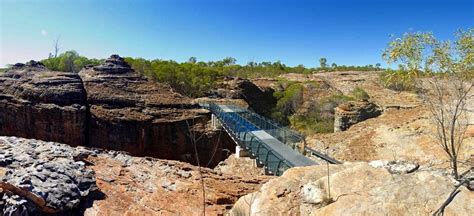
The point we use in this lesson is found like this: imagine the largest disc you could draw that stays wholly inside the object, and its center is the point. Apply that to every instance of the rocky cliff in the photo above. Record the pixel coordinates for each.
(107, 106)
(42, 104)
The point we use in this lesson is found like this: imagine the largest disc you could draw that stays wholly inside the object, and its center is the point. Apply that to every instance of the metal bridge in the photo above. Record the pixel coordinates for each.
(274, 147)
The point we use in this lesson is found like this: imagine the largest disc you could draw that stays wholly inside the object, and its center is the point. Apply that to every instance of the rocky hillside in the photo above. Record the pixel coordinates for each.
(47, 177)
(392, 125)
(404, 130)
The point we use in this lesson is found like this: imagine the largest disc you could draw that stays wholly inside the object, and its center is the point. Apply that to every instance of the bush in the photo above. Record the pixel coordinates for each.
(190, 79)
(320, 117)
(398, 80)
(360, 94)
(69, 61)
(288, 101)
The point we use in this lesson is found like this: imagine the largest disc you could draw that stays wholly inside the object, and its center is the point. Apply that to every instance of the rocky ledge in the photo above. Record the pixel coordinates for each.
(352, 112)
(45, 177)
(379, 188)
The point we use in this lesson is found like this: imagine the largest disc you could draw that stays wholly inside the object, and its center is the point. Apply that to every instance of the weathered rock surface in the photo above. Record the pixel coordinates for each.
(130, 113)
(350, 113)
(107, 106)
(260, 99)
(356, 189)
(403, 132)
(242, 166)
(39, 177)
(42, 177)
(147, 186)
(38, 103)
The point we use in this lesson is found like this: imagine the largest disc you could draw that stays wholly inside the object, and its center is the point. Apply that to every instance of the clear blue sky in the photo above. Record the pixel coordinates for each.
(295, 32)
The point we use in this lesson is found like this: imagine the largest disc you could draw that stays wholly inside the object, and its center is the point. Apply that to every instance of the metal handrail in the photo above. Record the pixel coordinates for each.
(231, 117)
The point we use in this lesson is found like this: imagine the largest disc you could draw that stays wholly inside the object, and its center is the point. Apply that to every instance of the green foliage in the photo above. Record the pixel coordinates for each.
(320, 117)
(360, 94)
(420, 54)
(190, 78)
(335, 67)
(312, 122)
(288, 101)
(69, 61)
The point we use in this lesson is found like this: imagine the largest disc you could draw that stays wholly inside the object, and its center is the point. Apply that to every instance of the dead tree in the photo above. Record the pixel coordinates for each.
(56, 46)
(447, 97)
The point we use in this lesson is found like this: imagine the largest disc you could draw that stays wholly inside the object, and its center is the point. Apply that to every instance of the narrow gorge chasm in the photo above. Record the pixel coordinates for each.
(110, 107)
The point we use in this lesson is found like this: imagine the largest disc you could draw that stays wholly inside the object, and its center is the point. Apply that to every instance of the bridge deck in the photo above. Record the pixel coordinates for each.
(292, 156)
(272, 146)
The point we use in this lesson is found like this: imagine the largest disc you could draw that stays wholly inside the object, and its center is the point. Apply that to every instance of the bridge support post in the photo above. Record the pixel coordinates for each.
(216, 125)
(240, 152)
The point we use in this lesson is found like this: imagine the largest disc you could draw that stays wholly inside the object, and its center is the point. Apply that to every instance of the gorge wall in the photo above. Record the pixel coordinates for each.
(107, 106)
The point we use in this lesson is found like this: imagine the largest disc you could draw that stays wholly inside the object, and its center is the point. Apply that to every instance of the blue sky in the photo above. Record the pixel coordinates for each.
(295, 32)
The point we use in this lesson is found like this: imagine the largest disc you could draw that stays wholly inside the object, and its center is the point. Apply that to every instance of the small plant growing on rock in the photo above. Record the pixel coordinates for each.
(360, 94)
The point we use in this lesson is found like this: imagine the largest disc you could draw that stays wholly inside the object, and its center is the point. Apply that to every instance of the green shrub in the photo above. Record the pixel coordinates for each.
(288, 101)
(69, 61)
(360, 94)
(398, 80)
(320, 117)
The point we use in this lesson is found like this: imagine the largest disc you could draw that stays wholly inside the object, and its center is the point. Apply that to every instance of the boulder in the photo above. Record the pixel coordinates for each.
(352, 112)
(355, 189)
(42, 177)
(38, 103)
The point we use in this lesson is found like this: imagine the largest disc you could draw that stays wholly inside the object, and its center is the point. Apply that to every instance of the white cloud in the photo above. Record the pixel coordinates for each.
(44, 32)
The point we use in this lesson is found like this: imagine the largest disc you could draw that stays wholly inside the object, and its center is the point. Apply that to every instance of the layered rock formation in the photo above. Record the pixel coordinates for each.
(107, 106)
(127, 112)
(356, 189)
(42, 104)
(42, 177)
(352, 112)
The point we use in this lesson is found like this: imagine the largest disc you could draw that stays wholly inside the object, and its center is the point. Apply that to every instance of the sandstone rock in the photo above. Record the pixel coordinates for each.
(147, 186)
(353, 112)
(42, 104)
(145, 118)
(356, 189)
(42, 177)
(396, 167)
(107, 106)
(243, 166)
(260, 99)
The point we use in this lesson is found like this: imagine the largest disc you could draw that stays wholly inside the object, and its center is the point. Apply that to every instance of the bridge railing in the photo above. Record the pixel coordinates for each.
(240, 129)
(282, 133)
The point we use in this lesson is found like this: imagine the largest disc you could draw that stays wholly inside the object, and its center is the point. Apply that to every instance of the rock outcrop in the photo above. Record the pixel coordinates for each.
(147, 186)
(42, 177)
(356, 189)
(352, 112)
(38, 103)
(107, 106)
(145, 118)
(259, 99)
